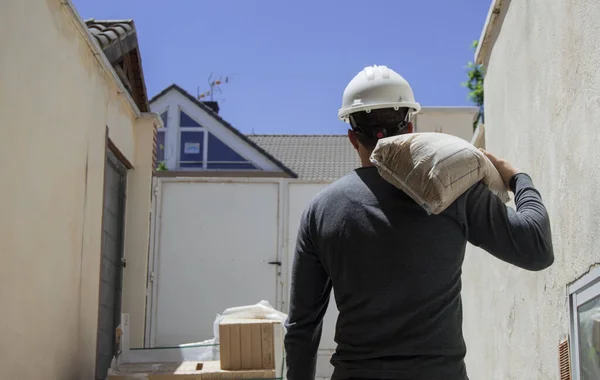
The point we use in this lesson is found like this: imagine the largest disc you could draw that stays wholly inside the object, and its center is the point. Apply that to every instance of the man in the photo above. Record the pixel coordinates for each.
(396, 272)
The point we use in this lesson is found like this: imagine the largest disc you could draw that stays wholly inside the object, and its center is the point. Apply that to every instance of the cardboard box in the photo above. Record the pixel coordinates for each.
(184, 371)
(250, 344)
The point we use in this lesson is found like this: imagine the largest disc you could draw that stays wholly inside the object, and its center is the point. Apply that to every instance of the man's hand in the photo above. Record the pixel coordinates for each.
(506, 170)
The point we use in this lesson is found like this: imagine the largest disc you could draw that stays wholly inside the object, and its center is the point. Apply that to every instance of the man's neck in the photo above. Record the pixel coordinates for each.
(365, 160)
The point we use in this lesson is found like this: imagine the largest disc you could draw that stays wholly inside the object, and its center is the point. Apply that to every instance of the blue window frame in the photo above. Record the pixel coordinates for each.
(186, 121)
(191, 149)
(160, 146)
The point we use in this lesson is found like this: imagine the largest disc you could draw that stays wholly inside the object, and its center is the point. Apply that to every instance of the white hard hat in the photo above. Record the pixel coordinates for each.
(377, 87)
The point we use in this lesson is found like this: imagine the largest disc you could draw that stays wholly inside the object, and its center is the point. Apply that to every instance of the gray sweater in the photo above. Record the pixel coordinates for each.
(396, 274)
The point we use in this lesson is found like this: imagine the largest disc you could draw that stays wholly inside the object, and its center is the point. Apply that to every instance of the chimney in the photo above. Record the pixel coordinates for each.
(212, 105)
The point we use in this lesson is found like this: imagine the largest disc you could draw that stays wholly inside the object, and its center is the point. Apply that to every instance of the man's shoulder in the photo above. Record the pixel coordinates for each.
(330, 195)
(327, 200)
(336, 189)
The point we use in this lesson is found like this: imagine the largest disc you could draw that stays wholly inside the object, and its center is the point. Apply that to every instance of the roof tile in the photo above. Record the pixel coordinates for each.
(312, 157)
(108, 32)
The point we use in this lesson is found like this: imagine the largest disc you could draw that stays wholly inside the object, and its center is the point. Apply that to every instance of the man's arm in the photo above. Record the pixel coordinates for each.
(311, 287)
(522, 237)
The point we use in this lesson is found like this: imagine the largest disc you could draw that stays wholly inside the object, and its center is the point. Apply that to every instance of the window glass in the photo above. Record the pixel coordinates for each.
(186, 121)
(190, 149)
(218, 151)
(589, 339)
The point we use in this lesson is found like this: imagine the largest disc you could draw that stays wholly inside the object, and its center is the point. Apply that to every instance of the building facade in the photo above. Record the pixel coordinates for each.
(196, 140)
(76, 180)
(542, 104)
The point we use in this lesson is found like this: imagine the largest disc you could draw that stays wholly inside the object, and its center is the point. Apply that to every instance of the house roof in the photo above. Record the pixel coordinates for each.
(312, 157)
(109, 32)
(215, 115)
(118, 41)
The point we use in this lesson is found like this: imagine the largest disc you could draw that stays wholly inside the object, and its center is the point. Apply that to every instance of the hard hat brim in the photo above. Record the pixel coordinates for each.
(344, 113)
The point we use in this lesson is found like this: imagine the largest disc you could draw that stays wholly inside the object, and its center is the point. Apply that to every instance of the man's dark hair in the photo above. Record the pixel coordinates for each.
(379, 123)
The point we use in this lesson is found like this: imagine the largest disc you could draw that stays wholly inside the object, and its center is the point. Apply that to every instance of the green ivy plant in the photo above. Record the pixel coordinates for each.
(162, 166)
(474, 83)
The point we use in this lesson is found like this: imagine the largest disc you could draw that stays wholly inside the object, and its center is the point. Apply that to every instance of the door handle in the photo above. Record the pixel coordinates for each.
(278, 263)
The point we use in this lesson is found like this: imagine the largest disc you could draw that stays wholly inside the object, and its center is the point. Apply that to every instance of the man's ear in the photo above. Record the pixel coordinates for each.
(353, 139)
(410, 128)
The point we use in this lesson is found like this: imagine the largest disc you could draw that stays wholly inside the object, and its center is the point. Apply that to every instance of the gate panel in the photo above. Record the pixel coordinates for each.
(216, 240)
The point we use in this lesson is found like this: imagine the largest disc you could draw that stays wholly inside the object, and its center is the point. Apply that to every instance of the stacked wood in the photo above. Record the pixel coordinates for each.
(250, 344)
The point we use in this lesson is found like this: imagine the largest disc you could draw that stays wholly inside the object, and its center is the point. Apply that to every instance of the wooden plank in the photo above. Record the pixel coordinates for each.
(268, 360)
(278, 348)
(246, 346)
(235, 347)
(256, 346)
(224, 349)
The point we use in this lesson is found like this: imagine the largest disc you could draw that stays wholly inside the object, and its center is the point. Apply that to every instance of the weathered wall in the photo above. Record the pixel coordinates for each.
(137, 229)
(542, 110)
(55, 105)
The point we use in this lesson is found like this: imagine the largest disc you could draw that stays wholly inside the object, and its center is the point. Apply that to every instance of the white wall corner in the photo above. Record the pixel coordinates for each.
(479, 136)
(155, 117)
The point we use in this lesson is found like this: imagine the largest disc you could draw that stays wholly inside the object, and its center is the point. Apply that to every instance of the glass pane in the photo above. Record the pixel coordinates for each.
(190, 149)
(589, 339)
(164, 118)
(219, 151)
(160, 147)
(186, 121)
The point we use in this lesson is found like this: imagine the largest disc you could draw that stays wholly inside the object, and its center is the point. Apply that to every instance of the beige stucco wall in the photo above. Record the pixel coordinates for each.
(137, 230)
(56, 102)
(542, 109)
(456, 121)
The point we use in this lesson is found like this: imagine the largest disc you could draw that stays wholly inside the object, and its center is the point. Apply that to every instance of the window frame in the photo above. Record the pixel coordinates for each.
(163, 130)
(181, 129)
(205, 146)
(580, 292)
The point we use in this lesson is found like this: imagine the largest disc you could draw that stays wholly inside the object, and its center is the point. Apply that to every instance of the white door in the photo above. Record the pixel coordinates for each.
(214, 245)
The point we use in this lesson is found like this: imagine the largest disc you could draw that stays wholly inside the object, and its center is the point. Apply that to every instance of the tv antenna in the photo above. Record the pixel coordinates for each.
(214, 85)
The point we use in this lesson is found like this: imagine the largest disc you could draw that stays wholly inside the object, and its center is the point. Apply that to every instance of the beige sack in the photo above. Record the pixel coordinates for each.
(434, 169)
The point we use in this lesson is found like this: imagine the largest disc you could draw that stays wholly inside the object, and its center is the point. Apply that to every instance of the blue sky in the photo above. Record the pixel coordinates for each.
(289, 61)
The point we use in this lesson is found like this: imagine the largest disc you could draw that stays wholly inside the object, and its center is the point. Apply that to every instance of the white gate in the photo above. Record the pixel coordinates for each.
(222, 242)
